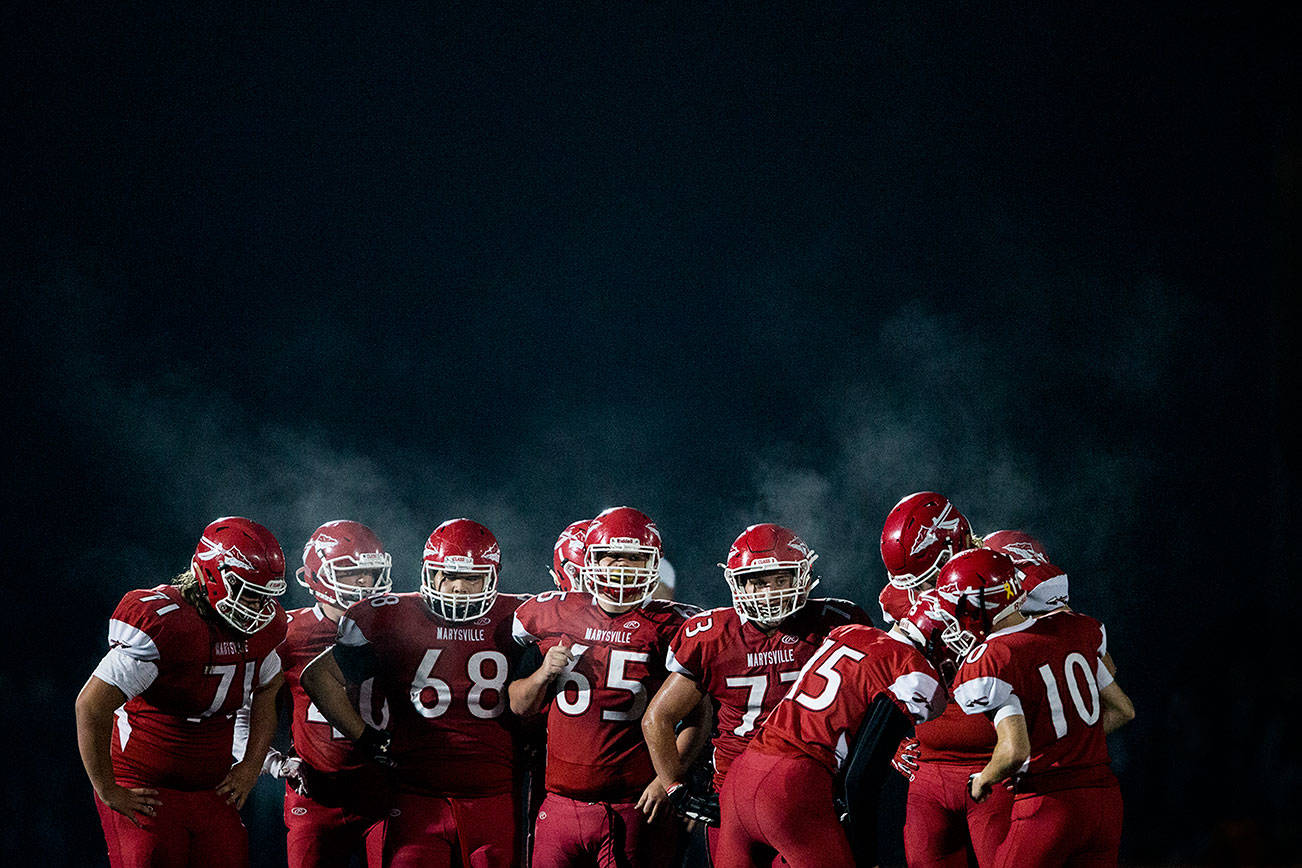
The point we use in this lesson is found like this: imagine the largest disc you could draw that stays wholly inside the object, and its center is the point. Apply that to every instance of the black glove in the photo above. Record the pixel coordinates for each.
(374, 745)
(703, 808)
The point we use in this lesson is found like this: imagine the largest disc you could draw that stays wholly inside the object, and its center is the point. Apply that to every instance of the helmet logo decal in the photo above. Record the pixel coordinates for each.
(322, 543)
(223, 555)
(1024, 553)
(927, 535)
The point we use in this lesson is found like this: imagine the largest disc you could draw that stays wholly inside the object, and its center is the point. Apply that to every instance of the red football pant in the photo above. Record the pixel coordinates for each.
(436, 831)
(604, 834)
(322, 837)
(779, 804)
(712, 844)
(942, 823)
(190, 828)
(1075, 827)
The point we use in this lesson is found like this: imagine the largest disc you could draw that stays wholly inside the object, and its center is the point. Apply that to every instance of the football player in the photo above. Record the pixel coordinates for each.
(334, 798)
(921, 533)
(849, 706)
(942, 826)
(1044, 583)
(743, 657)
(567, 556)
(156, 719)
(1043, 683)
(447, 653)
(598, 655)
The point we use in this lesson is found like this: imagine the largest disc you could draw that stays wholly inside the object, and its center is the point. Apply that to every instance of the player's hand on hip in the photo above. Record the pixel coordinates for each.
(130, 802)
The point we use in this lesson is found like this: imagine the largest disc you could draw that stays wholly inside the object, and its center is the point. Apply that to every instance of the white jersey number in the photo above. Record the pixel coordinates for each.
(1085, 702)
(482, 678)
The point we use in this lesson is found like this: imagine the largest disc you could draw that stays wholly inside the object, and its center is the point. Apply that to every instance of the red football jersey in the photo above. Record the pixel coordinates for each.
(746, 671)
(956, 737)
(452, 735)
(185, 677)
(895, 603)
(595, 750)
(1050, 670)
(324, 748)
(821, 713)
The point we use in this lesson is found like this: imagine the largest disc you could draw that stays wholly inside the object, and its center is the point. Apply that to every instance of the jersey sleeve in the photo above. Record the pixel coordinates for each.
(1101, 674)
(685, 656)
(520, 624)
(921, 694)
(131, 663)
(271, 667)
(979, 689)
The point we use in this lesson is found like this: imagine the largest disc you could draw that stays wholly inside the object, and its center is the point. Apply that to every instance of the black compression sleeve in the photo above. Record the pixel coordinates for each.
(865, 770)
(356, 662)
(530, 661)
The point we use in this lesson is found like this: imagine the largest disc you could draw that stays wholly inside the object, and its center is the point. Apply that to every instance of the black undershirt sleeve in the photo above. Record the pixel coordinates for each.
(865, 771)
(356, 662)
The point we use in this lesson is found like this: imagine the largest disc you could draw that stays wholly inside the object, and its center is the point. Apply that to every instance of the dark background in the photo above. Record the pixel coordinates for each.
(791, 264)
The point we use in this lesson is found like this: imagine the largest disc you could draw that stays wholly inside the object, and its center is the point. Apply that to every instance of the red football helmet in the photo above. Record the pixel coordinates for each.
(460, 548)
(762, 548)
(1045, 584)
(1021, 547)
(921, 533)
(977, 587)
(926, 624)
(567, 555)
(621, 530)
(336, 553)
(242, 570)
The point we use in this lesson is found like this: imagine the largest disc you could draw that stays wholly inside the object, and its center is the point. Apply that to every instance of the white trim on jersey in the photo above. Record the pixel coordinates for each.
(124, 726)
(921, 694)
(672, 664)
(240, 738)
(521, 635)
(1102, 677)
(132, 640)
(984, 694)
(130, 674)
(350, 635)
(270, 668)
(1011, 708)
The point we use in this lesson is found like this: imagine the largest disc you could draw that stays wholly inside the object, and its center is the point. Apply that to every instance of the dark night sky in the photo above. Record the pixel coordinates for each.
(303, 264)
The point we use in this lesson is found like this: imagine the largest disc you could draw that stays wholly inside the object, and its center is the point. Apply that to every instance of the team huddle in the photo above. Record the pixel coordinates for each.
(597, 723)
